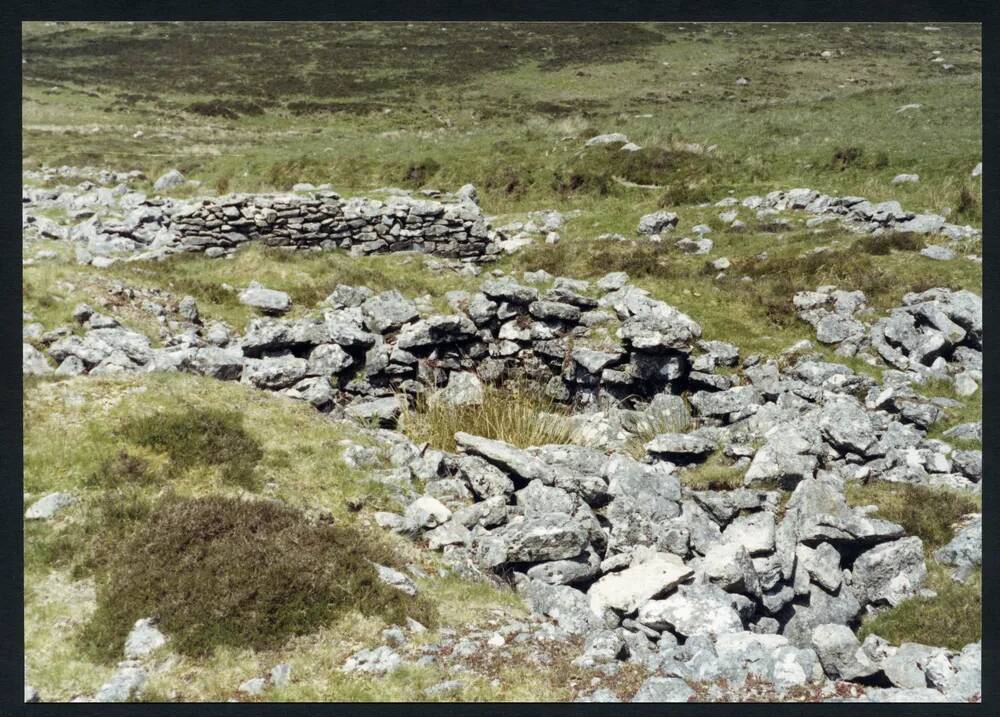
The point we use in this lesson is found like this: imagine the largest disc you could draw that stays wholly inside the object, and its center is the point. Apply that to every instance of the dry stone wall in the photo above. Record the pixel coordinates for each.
(324, 220)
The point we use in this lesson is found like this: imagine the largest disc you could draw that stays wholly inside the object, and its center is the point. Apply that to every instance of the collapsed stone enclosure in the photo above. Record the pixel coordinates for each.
(611, 545)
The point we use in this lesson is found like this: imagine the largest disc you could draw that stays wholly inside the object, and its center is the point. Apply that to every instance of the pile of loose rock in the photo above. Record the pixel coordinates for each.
(619, 356)
(92, 174)
(935, 334)
(856, 213)
(697, 585)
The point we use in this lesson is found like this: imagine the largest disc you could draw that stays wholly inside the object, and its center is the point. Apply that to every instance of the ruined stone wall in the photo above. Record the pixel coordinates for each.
(324, 220)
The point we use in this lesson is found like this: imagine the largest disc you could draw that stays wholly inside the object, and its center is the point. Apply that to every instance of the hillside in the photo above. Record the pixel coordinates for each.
(457, 361)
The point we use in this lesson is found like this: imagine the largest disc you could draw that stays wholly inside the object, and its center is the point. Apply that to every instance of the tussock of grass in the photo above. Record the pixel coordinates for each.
(123, 469)
(227, 109)
(928, 513)
(852, 157)
(225, 571)
(716, 473)
(518, 416)
(953, 618)
(969, 206)
(883, 244)
(649, 428)
(417, 173)
(197, 436)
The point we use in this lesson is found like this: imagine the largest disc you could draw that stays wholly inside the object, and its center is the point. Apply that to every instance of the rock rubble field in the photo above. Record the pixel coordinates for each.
(764, 582)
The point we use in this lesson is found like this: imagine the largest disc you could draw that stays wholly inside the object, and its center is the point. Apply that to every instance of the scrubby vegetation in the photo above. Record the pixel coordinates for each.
(600, 169)
(716, 473)
(953, 616)
(226, 571)
(198, 436)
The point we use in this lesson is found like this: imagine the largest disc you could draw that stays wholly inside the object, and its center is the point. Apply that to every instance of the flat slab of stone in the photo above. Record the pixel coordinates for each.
(631, 588)
(680, 444)
(267, 301)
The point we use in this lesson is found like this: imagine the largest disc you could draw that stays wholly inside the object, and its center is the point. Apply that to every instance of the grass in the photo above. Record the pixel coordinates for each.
(308, 278)
(517, 133)
(952, 619)
(970, 409)
(716, 473)
(925, 512)
(516, 415)
(225, 571)
(65, 557)
(488, 114)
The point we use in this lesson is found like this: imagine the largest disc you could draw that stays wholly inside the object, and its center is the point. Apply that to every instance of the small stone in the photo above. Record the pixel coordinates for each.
(46, 507)
(633, 587)
(656, 223)
(463, 389)
(380, 660)
(613, 138)
(33, 361)
(394, 636)
(171, 179)
(254, 687)
(395, 579)
(143, 639)
(126, 683)
(664, 689)
(188, 308)
(447, 688)
(281, 674)
(840, 653)
(938, 252)
(427, 512)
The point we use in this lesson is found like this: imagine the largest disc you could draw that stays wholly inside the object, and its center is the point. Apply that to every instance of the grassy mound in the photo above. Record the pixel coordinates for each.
(639, 259)
(224, 571)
